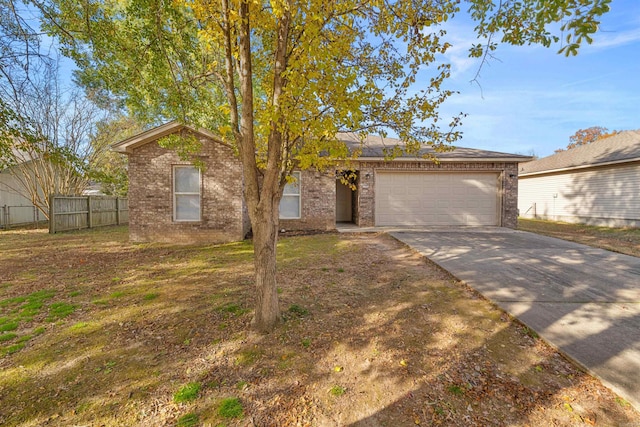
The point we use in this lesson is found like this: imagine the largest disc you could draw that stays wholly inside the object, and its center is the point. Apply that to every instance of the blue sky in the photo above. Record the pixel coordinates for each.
(532, 99)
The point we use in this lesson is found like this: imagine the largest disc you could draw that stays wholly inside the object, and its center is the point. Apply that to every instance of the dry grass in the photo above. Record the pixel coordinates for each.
(373, 335)
(622, 240)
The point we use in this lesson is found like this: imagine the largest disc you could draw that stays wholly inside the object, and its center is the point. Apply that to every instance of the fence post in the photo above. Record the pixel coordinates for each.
(8, 218)
(52, 214)
(3, 217)
(89, 212)
(117, 210)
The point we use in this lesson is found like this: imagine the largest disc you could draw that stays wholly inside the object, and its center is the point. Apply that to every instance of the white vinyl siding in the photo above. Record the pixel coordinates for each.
(14, 206)
(606, 196)
(186, 193)
(290, 202)
(423, 199)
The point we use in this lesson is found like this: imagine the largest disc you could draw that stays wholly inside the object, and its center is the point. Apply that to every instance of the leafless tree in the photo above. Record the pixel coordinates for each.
(47, 135)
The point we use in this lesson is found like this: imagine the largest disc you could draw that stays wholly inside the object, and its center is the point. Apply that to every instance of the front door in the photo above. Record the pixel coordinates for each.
(344, 196)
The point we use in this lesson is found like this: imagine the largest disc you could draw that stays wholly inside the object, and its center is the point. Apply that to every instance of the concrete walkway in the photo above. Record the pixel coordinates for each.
(582, 300)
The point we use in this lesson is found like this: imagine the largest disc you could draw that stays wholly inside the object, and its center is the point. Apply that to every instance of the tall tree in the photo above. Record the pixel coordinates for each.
(51, 152)
(19, 52)
(587, 136)
(108, 167)
(278, 79)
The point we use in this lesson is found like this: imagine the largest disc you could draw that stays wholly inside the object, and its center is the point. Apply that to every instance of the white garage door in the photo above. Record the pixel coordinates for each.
(406, 198)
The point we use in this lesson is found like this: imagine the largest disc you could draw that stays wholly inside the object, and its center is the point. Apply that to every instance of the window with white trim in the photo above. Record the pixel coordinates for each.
(290, 202)
(186, 193)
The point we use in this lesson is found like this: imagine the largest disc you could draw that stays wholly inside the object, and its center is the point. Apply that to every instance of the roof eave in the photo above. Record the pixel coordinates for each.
(448, 159)
(128, 145)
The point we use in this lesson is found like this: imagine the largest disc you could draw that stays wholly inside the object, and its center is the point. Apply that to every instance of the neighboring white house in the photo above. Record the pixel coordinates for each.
(596, 184)
(15, 208)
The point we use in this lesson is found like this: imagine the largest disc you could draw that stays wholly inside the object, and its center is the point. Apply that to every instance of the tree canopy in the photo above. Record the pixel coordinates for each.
(108, 167)
(278, 79)
(587, 136)
(19, 51)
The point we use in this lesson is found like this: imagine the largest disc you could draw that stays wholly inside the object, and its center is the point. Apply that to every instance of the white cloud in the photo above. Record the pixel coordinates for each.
(605, 40)
(461, 36)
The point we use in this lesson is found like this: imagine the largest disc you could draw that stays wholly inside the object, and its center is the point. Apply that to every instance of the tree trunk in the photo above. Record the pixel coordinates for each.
(265, 238)
(262, 194)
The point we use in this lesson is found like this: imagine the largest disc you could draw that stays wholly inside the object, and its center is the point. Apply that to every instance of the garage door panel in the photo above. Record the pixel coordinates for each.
(458, 204)
(415, 191)
(436, 198)
(472, 204)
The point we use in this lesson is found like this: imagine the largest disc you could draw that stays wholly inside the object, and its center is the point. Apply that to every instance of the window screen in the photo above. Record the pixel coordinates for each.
(186, 193)
(290, 202)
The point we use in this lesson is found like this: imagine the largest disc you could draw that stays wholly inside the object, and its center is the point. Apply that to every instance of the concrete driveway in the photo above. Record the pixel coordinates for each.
(582, 300)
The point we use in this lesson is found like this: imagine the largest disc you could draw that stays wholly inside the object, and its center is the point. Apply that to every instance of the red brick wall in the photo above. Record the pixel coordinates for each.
(223, 214)
(318, 211)
(510, 195)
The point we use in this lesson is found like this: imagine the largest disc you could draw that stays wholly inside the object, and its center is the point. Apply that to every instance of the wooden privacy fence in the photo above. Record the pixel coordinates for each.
(78, 212)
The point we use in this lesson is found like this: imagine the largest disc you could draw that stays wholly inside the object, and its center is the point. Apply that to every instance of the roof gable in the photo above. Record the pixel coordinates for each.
(620, 148)
(151, 135)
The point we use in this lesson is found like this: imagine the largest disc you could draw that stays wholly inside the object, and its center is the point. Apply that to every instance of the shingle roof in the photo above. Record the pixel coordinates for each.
(373, 148)
(620, 148)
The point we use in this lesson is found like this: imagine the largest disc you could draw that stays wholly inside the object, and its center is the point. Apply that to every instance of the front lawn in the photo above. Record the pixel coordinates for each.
(97, 331)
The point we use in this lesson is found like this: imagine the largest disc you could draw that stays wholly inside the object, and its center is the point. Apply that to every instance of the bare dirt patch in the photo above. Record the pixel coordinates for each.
(373, 335)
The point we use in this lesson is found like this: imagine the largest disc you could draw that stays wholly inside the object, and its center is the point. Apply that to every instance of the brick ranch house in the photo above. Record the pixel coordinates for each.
(172, 201)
